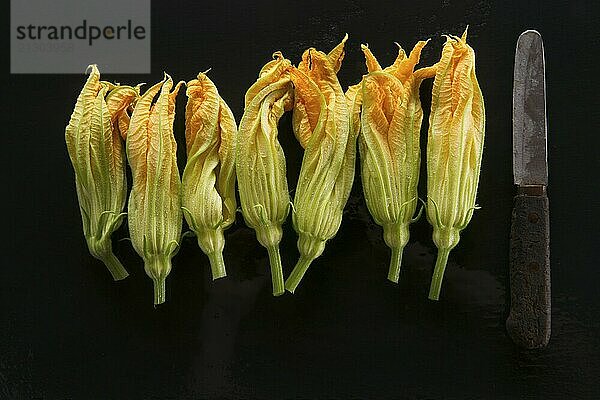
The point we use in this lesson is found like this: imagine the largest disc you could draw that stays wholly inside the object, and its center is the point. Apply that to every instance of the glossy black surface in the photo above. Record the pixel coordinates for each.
(68, 331)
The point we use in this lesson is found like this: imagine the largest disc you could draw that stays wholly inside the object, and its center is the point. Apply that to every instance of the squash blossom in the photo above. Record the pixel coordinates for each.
(321, 122)
(97, 154)
(260, 161)
(155, 215)
(389, 145)
(208, 182)
(454, 150)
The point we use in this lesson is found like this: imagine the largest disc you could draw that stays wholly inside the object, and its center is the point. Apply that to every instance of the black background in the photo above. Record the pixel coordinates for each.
(68, 331)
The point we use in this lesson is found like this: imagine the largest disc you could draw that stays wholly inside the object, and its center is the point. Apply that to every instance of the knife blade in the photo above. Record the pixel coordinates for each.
(529, 320)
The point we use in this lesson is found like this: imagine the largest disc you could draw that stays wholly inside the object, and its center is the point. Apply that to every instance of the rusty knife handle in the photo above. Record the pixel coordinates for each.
(528, 323)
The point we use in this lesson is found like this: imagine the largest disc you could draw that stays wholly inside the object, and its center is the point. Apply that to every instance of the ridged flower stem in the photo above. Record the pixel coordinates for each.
(116, 269)
(395, 263)
(217, 265)
(438, 274)
(297, 274)
(276, 270)
(158, 267)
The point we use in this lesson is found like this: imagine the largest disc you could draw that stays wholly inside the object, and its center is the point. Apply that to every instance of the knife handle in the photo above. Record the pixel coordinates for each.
(528, 323)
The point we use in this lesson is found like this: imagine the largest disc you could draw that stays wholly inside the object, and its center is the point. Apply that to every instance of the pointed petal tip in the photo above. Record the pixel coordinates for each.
(401, 52)
(464, 35)
(93, 69)
(166, 78)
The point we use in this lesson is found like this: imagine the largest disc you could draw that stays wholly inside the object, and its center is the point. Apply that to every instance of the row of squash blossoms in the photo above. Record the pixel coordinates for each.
(113, 125)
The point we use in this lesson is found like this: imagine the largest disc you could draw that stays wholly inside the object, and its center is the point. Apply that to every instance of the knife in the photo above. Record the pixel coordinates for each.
(528, 323)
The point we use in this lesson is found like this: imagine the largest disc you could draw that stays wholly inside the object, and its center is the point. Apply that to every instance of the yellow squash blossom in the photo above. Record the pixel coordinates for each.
(155, 216)
(208, 182)
(97, 154)
(321, 122)
(389, 145)
(454, 150)
(260, 161)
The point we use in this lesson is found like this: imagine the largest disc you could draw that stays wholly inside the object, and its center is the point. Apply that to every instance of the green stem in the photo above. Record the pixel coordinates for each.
(438, 274)
(102, 249)
(217, 265)
(159, 290)
(157, 267)
(117, 270)
(212, 242)
(276, 270)
(395, 262)
(395, 236)
(297, 274)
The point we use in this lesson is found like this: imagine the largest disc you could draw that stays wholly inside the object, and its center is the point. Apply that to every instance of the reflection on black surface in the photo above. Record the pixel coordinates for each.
(228, 301)
(345, 314)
